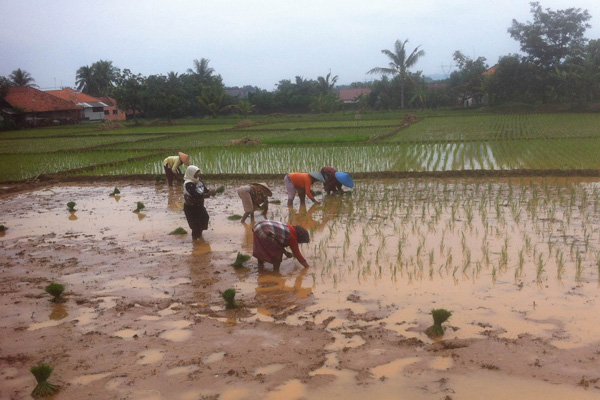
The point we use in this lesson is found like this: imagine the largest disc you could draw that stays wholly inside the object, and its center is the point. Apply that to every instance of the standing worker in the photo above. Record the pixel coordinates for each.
(335, 179)
(254, 196)
(272, 237)
(300, 182)
(194, 192)
(172, 164)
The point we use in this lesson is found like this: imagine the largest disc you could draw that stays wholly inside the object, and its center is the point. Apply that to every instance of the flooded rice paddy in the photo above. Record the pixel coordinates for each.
(514, 259)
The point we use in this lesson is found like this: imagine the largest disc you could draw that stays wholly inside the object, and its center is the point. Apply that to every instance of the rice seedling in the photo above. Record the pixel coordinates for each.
(115, 192)
(139, 207)
(440, 316)
(578, 266)
(234, 217)
(55, 290)
(229, 297)
(276, 201)
(3, 228)
(71, 206)
(178, 231)
(240, 260)
(220, 189)
(43, 388)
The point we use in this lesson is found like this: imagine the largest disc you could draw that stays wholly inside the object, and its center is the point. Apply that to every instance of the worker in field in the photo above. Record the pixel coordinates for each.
(272, 237)
(255, 196)
(334, 180)
(194, 193)
(172, 164)
(301, 182)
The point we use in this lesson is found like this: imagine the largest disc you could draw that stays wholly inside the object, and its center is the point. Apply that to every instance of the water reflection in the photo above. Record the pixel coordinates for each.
(248, 240)
(72, 217)
(59, 311)
(273, 292)
(174, 197)
(200, 246)
(140, 216)
(117, 198)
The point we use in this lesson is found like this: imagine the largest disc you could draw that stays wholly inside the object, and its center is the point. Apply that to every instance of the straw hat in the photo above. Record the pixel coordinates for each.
(317, 175)
(184, 158)
(345, 179)
(266, 187)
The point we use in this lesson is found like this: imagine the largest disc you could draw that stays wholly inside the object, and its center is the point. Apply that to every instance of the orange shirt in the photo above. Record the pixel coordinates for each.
(302, 180)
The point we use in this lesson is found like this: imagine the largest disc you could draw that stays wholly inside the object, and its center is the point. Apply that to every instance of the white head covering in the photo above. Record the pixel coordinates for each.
(189, 174)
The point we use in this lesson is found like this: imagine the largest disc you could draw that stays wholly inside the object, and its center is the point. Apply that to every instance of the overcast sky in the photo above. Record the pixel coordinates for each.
(256, 42)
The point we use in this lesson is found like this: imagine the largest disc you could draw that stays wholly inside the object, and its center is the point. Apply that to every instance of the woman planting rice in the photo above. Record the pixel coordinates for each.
(254, 196)
(335, 179)
(300, 182)
(194, 192)
(172, 164)
(272, 237)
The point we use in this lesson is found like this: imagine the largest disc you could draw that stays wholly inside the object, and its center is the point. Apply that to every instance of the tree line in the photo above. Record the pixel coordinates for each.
(559, 65)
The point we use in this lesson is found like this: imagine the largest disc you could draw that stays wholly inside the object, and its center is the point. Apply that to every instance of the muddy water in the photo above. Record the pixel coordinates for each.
(508, 258)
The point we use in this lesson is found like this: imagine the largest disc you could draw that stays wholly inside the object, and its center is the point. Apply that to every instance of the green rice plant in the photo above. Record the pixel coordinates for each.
(139, 206)
(240, 260)
(55, 290)
(43, 388)
(3, 228)
(234, 217)
(71, 206)
(540, 268)
(439, 317)
(220, 189)
(578, 266)
(229, 297)
(115, 192)
(276, 201)
(178, 231)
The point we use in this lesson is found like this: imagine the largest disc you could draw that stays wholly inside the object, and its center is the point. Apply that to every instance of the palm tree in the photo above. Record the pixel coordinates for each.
(400, 64)
(21, 77)
(85, 80)
(325, 86)
(97, 79)
(211, 99)
(105, 74)
(201, 70)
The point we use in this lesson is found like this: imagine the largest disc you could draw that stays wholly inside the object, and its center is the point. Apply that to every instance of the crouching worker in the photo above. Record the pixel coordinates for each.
(254, 196)
(194, 192)
(272, 237)
(335, 179)
(172, 164)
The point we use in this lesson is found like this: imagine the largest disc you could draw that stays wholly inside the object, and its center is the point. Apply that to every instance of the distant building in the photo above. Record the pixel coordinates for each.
(93, 108)
(237, 93)
(351, 95)
(111, 111)
(33, 107)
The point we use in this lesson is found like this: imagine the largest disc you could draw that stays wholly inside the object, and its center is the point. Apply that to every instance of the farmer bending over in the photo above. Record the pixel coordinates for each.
(301, 182)
(254, 196)
(172, 164)
(272, 237)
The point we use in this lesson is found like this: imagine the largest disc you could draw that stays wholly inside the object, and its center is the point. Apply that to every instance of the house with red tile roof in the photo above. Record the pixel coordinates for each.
(93, 108)
(112, 112)
(351, 95)
(33, 107)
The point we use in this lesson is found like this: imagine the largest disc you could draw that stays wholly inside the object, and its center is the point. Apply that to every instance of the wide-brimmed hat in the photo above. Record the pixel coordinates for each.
(184, 158)
(345, 179)
(317, 175)
(266, 187)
